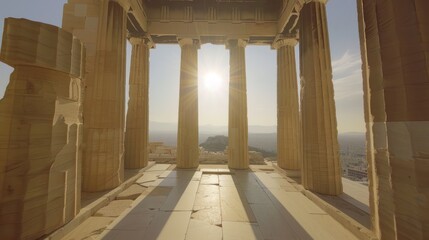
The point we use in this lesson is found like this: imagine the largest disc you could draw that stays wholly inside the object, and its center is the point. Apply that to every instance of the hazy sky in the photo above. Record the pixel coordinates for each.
(260, 69)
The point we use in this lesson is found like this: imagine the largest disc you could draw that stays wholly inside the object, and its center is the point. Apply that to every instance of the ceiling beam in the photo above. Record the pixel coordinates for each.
(288, 8)
(247, 30)
(139, 12)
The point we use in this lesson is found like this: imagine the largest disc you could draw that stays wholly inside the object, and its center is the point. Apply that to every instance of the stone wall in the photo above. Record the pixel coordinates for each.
(40, 129)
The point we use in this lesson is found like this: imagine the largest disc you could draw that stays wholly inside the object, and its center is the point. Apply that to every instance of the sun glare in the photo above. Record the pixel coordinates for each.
(212, 81)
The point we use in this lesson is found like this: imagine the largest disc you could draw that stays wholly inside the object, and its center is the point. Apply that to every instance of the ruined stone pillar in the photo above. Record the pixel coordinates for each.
(237, 118)
(102, 27)
(288, 127)
(137, 127)
(394, 37)
(187, 135)
(40, 129)
(321, 164)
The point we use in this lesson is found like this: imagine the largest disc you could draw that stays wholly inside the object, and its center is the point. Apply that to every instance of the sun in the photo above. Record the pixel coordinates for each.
(212, 81)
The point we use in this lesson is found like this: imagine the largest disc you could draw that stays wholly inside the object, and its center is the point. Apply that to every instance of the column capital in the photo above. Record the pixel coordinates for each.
(284, 41)
(239, 42)
(189, 41)
(135, 40)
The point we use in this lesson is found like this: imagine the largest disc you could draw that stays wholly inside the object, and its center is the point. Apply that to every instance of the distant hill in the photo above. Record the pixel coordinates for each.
(208, 129)
(219, 143)
(215, 144)
(167, 133)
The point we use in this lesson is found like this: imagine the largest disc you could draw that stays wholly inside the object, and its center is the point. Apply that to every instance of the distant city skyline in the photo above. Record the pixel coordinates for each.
(261, 70)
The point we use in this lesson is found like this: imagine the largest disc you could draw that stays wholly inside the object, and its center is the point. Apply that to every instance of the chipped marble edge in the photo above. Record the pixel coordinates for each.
(347, 222)
(90, 210)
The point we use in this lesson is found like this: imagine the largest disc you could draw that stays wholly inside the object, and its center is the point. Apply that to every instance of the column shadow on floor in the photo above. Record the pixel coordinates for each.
(348, 208)
(148, 218)
(273, 220)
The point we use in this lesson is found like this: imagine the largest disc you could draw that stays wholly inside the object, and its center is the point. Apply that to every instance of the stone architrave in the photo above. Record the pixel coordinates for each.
(137, 127)
(40, 129)
(187, 135)
(321, 170)
(288, 127)
(238, 155)
(394, 42)
(101, 25)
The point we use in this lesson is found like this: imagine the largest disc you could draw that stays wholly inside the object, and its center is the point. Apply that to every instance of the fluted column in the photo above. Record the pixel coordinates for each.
(288, 127)
(321, 165)
(375, 118)
(102, 27)
(394, 37)
(237, 117)
(137, 127)
(187, 135)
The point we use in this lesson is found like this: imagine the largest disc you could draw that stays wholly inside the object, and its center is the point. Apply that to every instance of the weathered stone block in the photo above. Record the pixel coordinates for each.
(40, 129)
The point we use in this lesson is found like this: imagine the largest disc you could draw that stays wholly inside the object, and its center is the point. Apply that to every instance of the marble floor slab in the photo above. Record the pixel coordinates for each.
(199, 230)
(182, 197)
(241, 231)
(215, 204)
(209, 179)
(234, 206)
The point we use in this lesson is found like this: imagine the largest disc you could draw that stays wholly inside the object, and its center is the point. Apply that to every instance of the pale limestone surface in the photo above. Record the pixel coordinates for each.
(253, 206)
(44, 125)
(131, 193)
(220, 19)
(101, 25)
(90, 228)
(321, 163)
(198, 230)
(114, 208)
(137, 127)
(233, 208)
(396, 85)
(187, 134)
(241, 230)
(237, 112)
(40, 129)
(288, 126)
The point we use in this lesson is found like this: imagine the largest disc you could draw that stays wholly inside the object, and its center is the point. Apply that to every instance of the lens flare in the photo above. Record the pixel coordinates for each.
(212, 81)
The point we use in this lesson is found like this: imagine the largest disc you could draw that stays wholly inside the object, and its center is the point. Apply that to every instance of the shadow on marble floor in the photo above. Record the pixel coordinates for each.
(163, 205)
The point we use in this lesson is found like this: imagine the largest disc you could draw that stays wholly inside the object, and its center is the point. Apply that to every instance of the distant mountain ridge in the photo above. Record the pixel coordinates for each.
(208, 128)
(219, 143)
(167, 133)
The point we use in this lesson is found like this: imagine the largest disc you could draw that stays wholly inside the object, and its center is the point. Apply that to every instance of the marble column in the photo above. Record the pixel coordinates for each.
(321, 164)
(377, 159)
(288, 127)
(102, 27)
(137, 127)
(237, 118)
(394, 37)
(187, 135)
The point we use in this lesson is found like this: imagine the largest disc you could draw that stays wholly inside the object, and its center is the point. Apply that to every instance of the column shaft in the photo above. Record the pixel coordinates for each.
(187, 135)
(237, 118)
(375, 118)
(394, 36)
(321, 165)
(288, 127)
(104, 35)
(137, 127)
(370, 153)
